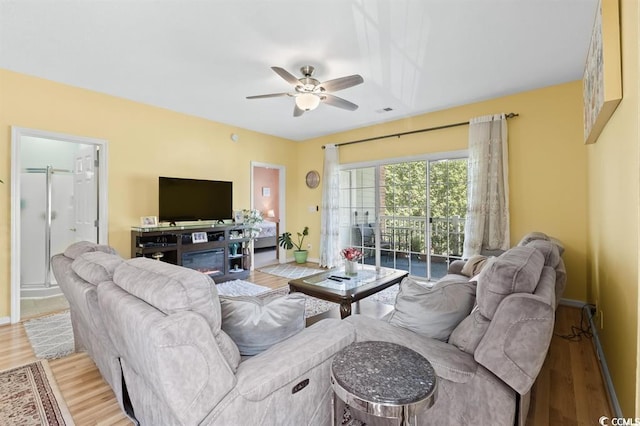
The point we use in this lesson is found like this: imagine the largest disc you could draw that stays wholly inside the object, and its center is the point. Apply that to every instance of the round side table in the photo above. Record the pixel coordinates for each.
(383, 380)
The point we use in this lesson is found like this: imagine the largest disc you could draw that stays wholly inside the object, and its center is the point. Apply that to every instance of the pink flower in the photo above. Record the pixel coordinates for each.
(352, 254)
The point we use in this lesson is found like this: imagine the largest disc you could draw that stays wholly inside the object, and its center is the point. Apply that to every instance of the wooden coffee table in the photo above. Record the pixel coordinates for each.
(347, 290)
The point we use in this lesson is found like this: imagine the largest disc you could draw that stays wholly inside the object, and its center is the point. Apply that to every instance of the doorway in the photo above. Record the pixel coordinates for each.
(58, 197)
(268, 196)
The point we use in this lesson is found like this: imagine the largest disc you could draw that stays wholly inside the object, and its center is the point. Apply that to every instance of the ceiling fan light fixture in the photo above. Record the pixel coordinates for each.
(307, 101)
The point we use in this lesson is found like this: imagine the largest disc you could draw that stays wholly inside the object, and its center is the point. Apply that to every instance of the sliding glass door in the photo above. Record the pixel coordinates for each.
(405, 215)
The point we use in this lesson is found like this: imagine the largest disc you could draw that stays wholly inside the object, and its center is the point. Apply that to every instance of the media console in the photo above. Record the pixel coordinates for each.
(220, 251)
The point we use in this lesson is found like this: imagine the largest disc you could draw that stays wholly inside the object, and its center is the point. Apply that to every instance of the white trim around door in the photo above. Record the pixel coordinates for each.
(17, 133)
(282, 189)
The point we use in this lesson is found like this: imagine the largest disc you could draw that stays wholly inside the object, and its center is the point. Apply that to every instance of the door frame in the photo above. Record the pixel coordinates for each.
(282, 170)
(17, 133)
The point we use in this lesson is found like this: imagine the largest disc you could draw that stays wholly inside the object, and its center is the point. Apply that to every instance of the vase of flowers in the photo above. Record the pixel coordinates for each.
(351, 257)
(251, 219)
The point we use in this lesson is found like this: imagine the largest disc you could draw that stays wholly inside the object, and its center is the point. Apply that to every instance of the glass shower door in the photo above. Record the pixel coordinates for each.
(47, 218)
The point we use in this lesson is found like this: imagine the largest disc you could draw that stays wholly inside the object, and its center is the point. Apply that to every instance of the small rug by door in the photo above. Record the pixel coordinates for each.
(289, 270)
(51, 336)
(29, 395)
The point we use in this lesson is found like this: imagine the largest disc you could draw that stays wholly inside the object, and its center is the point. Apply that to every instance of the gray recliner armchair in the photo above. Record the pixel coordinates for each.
(180, 367)
(79, 271)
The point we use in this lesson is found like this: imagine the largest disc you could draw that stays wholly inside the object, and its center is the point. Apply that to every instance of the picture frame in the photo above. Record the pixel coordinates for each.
(238, 216)
(199, 237)
(602, 78)
(266, 191)
(149, 221)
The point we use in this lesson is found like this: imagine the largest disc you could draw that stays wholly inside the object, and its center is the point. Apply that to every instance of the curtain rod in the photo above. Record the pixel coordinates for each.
(446, 126)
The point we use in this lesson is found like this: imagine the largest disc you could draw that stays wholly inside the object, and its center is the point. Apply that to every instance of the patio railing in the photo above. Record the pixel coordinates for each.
(408, 234)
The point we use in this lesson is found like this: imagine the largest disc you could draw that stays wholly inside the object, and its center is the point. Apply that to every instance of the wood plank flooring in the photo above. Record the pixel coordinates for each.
(569, 389)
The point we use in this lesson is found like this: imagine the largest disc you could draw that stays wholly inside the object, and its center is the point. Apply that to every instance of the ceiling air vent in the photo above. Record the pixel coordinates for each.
(383, 110)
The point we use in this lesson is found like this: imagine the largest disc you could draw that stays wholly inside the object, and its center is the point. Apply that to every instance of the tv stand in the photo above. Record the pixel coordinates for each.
(220, 251)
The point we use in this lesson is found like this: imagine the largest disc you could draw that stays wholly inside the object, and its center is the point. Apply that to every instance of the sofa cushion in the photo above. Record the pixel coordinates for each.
(81, 247)
(96, 267)
(533, 236)
(170, 288)
(468, 334)
(255, 325)
(432, 310)
(548, 249)
(515, 271)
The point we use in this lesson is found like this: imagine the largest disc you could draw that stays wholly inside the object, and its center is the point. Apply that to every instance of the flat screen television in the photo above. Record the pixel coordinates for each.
(194, 199)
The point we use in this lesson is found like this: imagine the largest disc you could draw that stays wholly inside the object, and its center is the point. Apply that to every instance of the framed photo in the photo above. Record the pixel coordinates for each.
(603, 65)
(266, 191)
(149, 221)
(199, 237)
(238, 216)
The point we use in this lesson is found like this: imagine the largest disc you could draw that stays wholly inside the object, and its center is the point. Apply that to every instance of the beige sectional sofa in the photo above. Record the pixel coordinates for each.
(163, 325)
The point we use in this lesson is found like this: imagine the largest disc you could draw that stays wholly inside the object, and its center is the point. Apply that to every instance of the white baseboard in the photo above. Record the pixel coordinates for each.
(605, 369)
(608, 382)
(5, 320)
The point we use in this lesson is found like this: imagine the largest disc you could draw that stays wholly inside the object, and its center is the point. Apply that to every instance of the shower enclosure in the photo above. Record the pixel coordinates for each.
(58, 206)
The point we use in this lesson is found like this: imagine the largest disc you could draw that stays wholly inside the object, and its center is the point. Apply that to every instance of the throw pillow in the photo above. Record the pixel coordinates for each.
(432, 310)
(255, 325)
(474, 265)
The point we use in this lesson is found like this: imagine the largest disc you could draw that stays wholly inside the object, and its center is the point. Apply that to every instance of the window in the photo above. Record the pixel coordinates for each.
(406, 215)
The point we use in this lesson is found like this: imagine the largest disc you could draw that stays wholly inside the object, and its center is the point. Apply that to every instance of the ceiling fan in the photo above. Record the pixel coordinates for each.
(309, 92)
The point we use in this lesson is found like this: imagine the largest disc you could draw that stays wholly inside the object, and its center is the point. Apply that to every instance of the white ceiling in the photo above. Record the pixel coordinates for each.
(204, 57)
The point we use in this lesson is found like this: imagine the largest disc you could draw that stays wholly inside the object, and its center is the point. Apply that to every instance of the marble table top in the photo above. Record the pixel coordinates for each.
(384, 373)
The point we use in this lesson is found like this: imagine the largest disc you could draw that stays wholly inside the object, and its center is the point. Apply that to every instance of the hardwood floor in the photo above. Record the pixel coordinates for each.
(569, 389)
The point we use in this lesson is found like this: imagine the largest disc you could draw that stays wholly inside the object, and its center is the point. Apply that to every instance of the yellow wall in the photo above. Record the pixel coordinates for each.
(144, 142)
(555, 180)
(547, 164)
(613, 192)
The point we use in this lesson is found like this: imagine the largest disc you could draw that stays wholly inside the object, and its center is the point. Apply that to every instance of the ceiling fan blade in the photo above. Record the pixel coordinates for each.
(338, 102)
(290, 78)
(297, 112)
(270, 95)
(341, 83)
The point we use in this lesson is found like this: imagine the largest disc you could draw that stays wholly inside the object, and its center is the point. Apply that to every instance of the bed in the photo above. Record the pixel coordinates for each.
(268, 235)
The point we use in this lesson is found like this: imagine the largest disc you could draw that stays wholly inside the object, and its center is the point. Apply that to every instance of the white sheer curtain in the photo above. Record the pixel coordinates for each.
(487, 222)
(330, 223)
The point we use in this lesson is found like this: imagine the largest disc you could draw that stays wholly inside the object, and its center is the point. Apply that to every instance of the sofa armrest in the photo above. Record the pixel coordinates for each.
(516, 342)
(284, 363)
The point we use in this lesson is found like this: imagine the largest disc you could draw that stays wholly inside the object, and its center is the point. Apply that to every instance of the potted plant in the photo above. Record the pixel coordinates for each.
(287, 243)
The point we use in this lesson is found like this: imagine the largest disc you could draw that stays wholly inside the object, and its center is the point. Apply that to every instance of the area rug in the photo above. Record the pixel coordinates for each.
(312, 306)
(291, 271)
(29, 395)
(51, 336)
(315, 306)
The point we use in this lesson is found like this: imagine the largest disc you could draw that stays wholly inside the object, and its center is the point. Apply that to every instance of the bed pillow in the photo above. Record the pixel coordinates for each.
(432, 310)
(255, 324)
